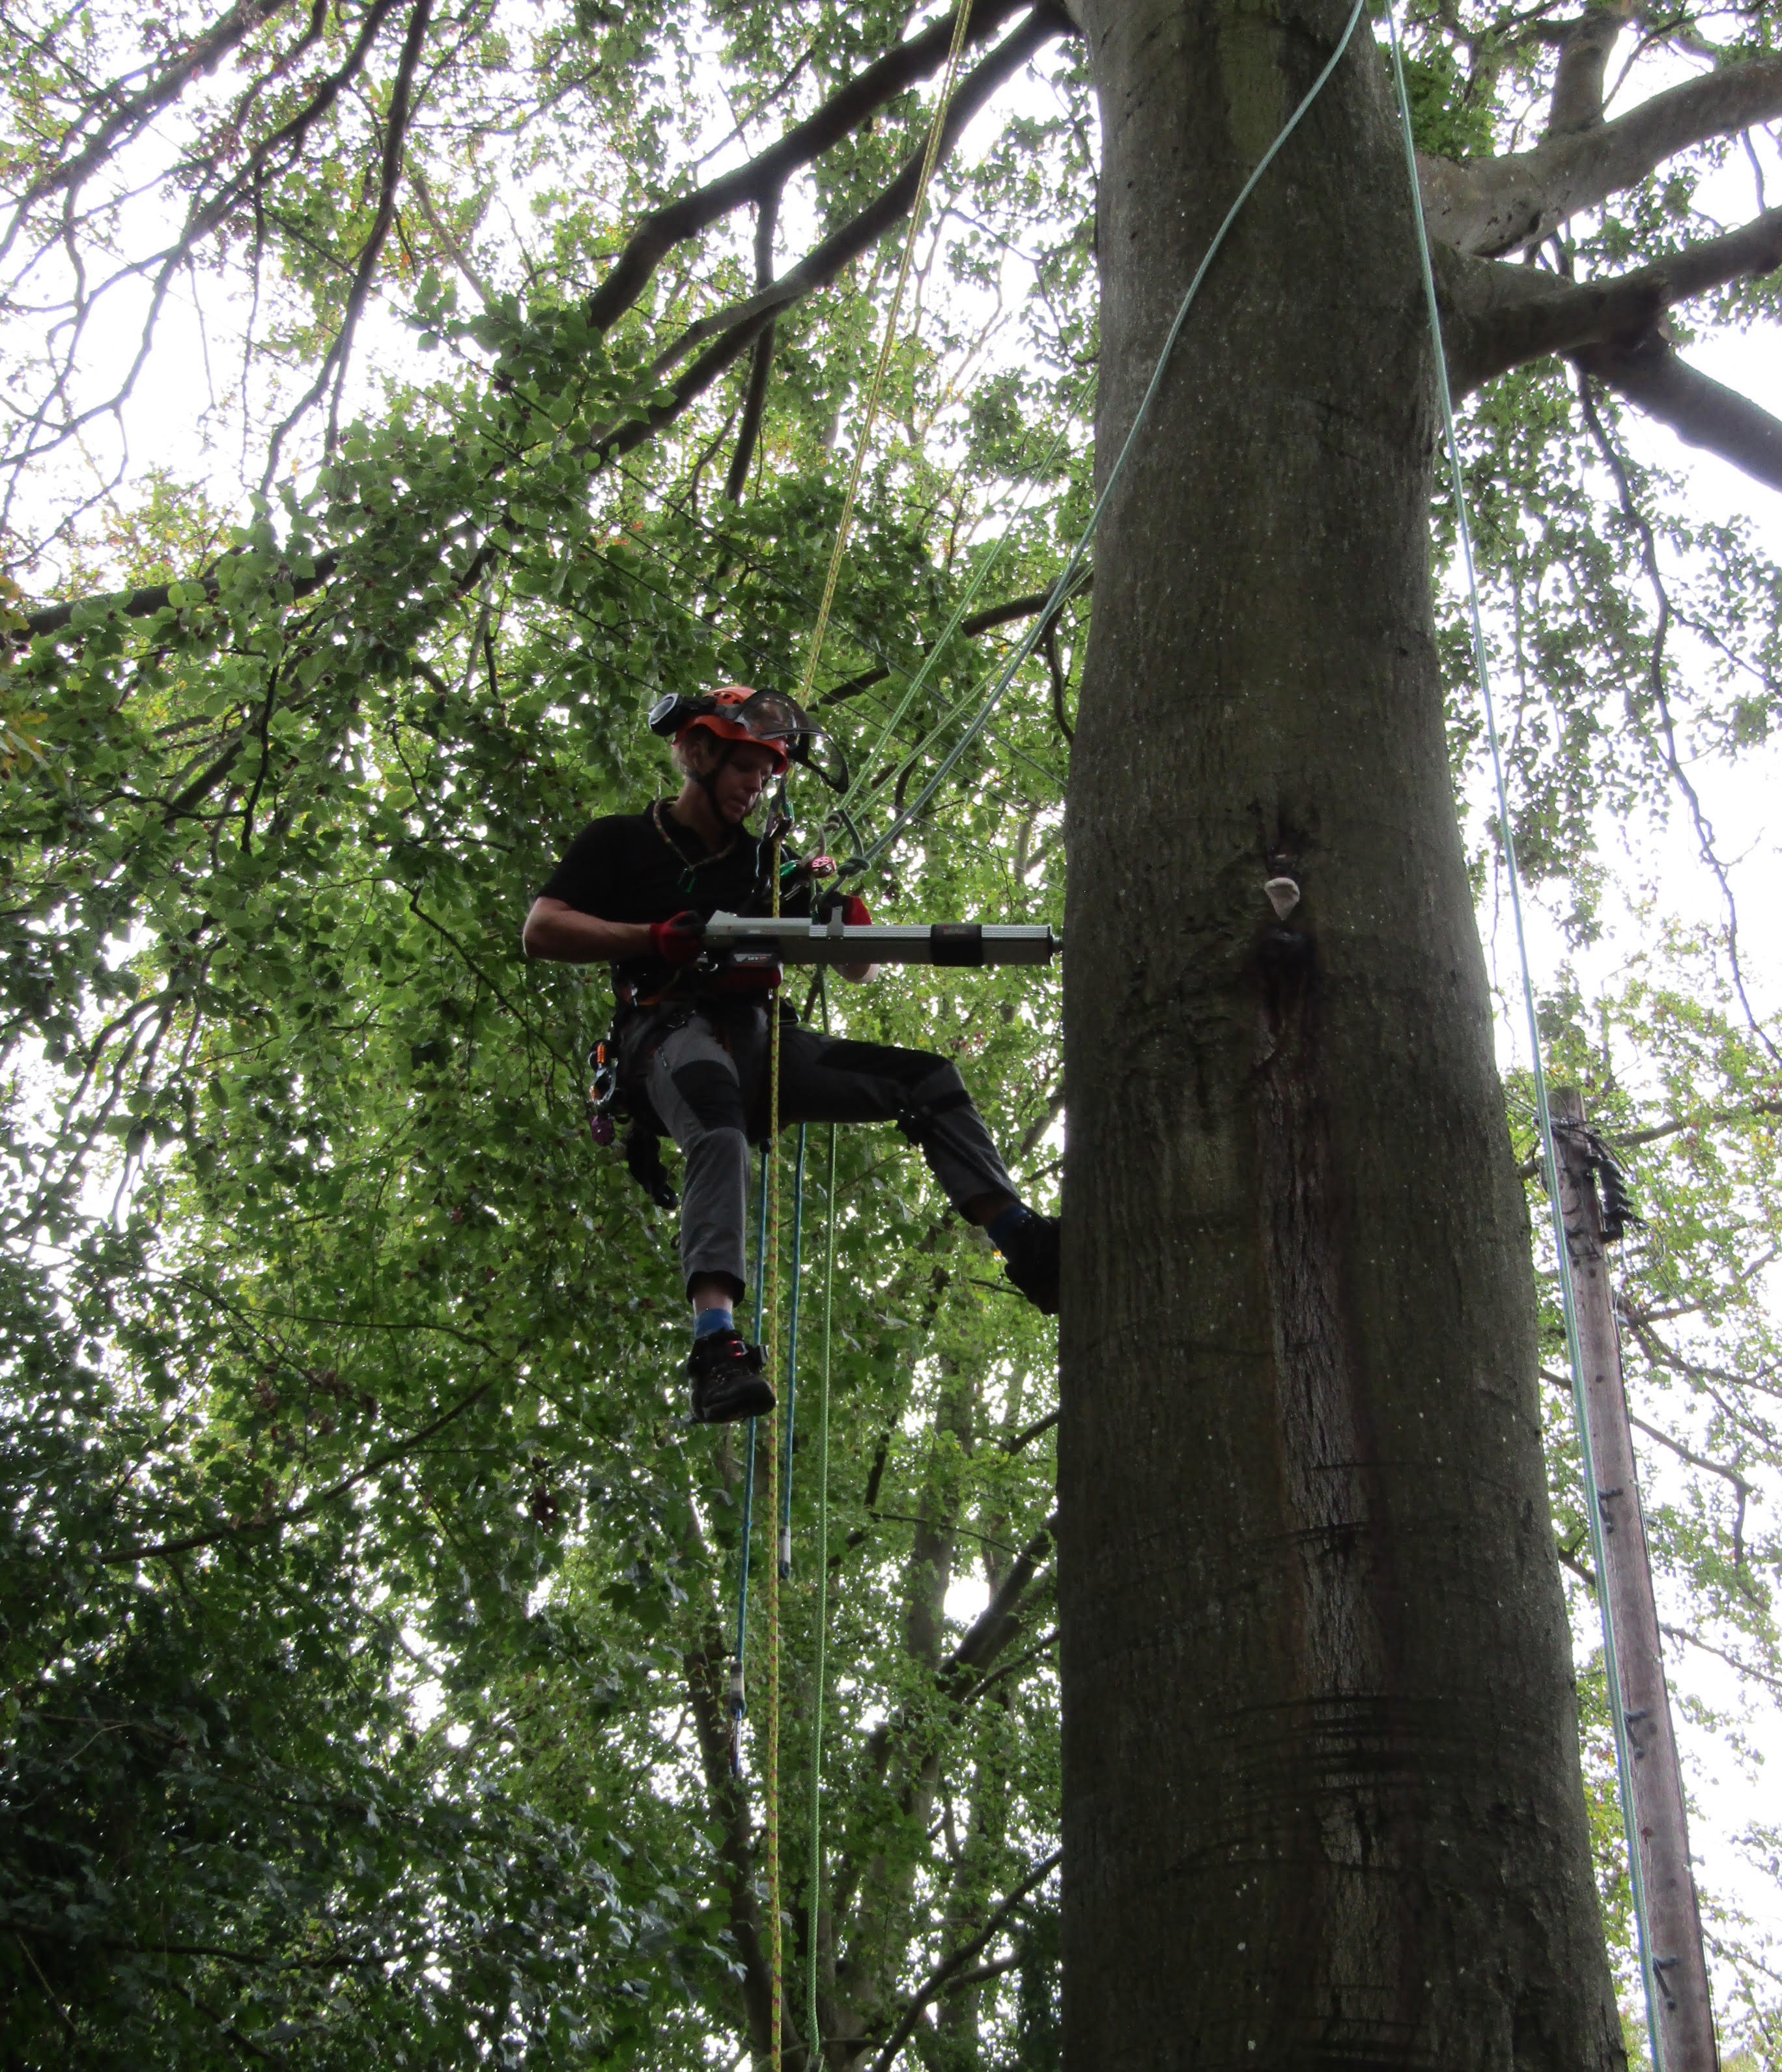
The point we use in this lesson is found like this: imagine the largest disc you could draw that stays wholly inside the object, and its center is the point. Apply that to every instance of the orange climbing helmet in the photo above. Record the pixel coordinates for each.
(762, 719)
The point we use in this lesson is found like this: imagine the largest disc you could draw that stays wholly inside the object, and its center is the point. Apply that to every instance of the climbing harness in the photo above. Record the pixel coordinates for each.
(1550, 1156)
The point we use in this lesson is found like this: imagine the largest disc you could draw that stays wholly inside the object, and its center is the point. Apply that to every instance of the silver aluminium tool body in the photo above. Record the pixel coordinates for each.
(969, 944)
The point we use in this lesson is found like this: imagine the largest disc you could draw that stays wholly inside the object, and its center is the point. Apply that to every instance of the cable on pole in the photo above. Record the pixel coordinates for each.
(1568, 1294)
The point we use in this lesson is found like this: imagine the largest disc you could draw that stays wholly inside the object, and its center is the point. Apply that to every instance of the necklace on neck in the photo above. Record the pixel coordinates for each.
(661, 815)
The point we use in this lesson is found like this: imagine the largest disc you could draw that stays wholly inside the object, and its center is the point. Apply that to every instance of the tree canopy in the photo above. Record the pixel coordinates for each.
(399, 398)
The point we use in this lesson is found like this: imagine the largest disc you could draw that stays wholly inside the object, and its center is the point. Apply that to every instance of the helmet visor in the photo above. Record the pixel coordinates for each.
(776, 721)
(770, 716)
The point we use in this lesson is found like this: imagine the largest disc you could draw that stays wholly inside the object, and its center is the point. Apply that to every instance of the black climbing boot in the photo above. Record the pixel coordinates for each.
(1031, 1261)
(727, 1381)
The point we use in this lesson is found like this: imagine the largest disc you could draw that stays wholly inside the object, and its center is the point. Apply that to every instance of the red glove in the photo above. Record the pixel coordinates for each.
(856, 913)
(678, 941)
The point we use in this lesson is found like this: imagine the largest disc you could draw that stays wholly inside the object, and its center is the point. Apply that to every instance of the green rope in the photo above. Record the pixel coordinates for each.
(1549, 1155)
(986, 568)
(931, 152)
(814, 1888)
(791, 1354)
(972, 693)
(738, 1698)
(1069, 576)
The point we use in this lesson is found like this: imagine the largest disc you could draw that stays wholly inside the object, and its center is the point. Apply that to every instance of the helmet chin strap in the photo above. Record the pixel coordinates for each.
(708, 784)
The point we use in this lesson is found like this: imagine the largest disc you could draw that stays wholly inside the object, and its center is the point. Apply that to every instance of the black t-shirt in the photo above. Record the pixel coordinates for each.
(642, 867)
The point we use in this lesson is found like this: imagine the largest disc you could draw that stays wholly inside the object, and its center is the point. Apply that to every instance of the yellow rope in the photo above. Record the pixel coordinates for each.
(770, 1782)
(770, 1779)
(962, 19)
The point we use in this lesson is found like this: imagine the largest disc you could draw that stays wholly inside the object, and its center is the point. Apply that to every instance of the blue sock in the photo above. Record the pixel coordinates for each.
(707, 1323)
(1001, 1230)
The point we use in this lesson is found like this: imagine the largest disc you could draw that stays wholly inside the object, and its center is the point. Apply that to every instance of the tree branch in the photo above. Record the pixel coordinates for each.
(734, 330)
(1027, 1436)
(147, 1550)
(1756, 1111)
(1701, 411)
(999, 1621)
(1695, 1460)
(761, 366)
(1054, 669)
(1496, 205)
(396, 132)
(1577, 103)
(979, 621)
(130, 116)
(152, 598)
(765, 175)
(1495, 316)
(938, 1980)
(1658, 683)
(1720, 1655)
(1563, 1381)
(705, 1670)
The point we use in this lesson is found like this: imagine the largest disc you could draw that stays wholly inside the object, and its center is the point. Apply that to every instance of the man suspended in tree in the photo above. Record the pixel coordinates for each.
(692, 1035)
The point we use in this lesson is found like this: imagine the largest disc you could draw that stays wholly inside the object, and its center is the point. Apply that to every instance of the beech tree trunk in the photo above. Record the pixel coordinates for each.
(1322, 1795)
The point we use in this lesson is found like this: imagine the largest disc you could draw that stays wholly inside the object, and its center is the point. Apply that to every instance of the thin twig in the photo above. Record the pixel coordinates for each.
(1655, 676)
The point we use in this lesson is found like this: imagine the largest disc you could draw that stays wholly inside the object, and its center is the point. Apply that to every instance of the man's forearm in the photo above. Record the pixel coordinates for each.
(564, 936)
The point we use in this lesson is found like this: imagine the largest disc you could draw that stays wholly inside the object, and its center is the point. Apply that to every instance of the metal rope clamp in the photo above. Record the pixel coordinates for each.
(603, 1091)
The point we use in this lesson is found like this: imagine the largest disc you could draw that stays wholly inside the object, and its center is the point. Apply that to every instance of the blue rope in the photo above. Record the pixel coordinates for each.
(1070, 575)
(739, 1701)
(1544, 1114)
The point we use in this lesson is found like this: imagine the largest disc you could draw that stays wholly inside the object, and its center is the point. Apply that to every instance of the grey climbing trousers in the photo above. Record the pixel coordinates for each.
(705, 1072)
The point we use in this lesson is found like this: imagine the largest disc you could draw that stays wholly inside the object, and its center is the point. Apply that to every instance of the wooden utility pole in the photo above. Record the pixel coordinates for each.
(1685, 2012)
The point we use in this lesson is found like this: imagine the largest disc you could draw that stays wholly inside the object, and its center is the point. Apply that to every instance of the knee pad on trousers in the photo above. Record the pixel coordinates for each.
(941, 1091)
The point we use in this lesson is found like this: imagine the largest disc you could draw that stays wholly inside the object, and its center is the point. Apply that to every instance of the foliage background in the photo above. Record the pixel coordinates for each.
(360, 1574)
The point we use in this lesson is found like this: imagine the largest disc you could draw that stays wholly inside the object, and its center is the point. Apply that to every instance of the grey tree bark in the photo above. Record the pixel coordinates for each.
(1322, 1796)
